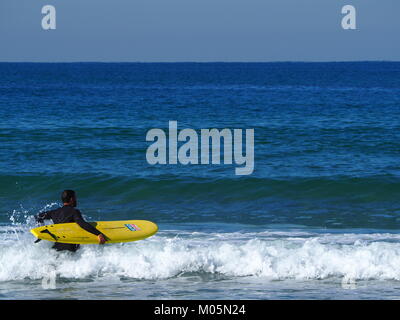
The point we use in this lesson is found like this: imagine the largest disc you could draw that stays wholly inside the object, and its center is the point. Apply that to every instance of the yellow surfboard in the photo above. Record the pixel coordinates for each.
(115, 231)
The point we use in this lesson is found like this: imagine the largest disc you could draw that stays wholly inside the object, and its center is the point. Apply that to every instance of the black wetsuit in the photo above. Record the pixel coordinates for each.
(67, 214)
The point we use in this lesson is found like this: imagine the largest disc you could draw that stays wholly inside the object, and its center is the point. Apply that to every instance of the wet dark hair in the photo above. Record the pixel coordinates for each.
(67, 195)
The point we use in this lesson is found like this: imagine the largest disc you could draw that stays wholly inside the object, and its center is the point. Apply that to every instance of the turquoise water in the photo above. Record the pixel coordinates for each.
(321, 208)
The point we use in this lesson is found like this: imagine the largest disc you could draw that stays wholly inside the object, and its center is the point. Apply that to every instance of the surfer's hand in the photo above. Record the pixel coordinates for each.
(102, 239)
(39, 221)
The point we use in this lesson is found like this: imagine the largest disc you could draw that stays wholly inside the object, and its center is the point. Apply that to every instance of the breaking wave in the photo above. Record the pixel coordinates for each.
(265, 255)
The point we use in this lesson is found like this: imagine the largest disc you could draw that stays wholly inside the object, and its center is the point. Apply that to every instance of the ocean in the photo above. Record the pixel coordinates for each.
(318, 218)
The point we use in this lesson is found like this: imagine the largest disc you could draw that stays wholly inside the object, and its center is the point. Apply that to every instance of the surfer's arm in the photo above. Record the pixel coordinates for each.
(43, 216)
(85, 225)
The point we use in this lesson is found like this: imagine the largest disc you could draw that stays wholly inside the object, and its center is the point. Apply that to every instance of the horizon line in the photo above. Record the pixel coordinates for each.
(205, 62)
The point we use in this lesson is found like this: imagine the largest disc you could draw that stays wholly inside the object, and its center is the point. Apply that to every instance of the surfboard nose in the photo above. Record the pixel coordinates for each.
(154, 226)
(150, 226)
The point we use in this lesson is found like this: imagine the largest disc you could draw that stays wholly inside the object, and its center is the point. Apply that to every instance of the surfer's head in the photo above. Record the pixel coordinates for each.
(68, 197)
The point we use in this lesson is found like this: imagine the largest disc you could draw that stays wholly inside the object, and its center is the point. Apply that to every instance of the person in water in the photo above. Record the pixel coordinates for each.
(68, 213)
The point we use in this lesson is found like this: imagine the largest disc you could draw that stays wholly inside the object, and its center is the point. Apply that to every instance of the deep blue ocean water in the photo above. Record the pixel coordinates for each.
(320, 210)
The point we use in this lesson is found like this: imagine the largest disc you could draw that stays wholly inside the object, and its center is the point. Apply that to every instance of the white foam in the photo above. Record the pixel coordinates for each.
(266, 255)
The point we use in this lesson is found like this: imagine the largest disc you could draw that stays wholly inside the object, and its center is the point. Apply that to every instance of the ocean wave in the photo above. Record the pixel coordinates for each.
(365, 189)
(267, 255)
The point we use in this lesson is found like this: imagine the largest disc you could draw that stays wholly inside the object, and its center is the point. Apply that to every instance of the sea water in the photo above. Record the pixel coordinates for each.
(317, 219)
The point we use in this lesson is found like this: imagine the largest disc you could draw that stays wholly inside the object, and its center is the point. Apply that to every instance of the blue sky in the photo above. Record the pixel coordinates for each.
(199, 30)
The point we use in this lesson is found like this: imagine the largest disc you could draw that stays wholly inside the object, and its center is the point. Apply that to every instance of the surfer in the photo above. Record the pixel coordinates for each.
(68, 213)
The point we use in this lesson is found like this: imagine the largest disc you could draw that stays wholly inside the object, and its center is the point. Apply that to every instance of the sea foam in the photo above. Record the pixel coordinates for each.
(266, 255)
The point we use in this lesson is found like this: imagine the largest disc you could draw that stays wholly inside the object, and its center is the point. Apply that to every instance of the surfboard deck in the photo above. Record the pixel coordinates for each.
(115, 232)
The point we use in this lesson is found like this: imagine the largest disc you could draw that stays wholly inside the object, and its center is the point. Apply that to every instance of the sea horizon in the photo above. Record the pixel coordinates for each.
(203, 62)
